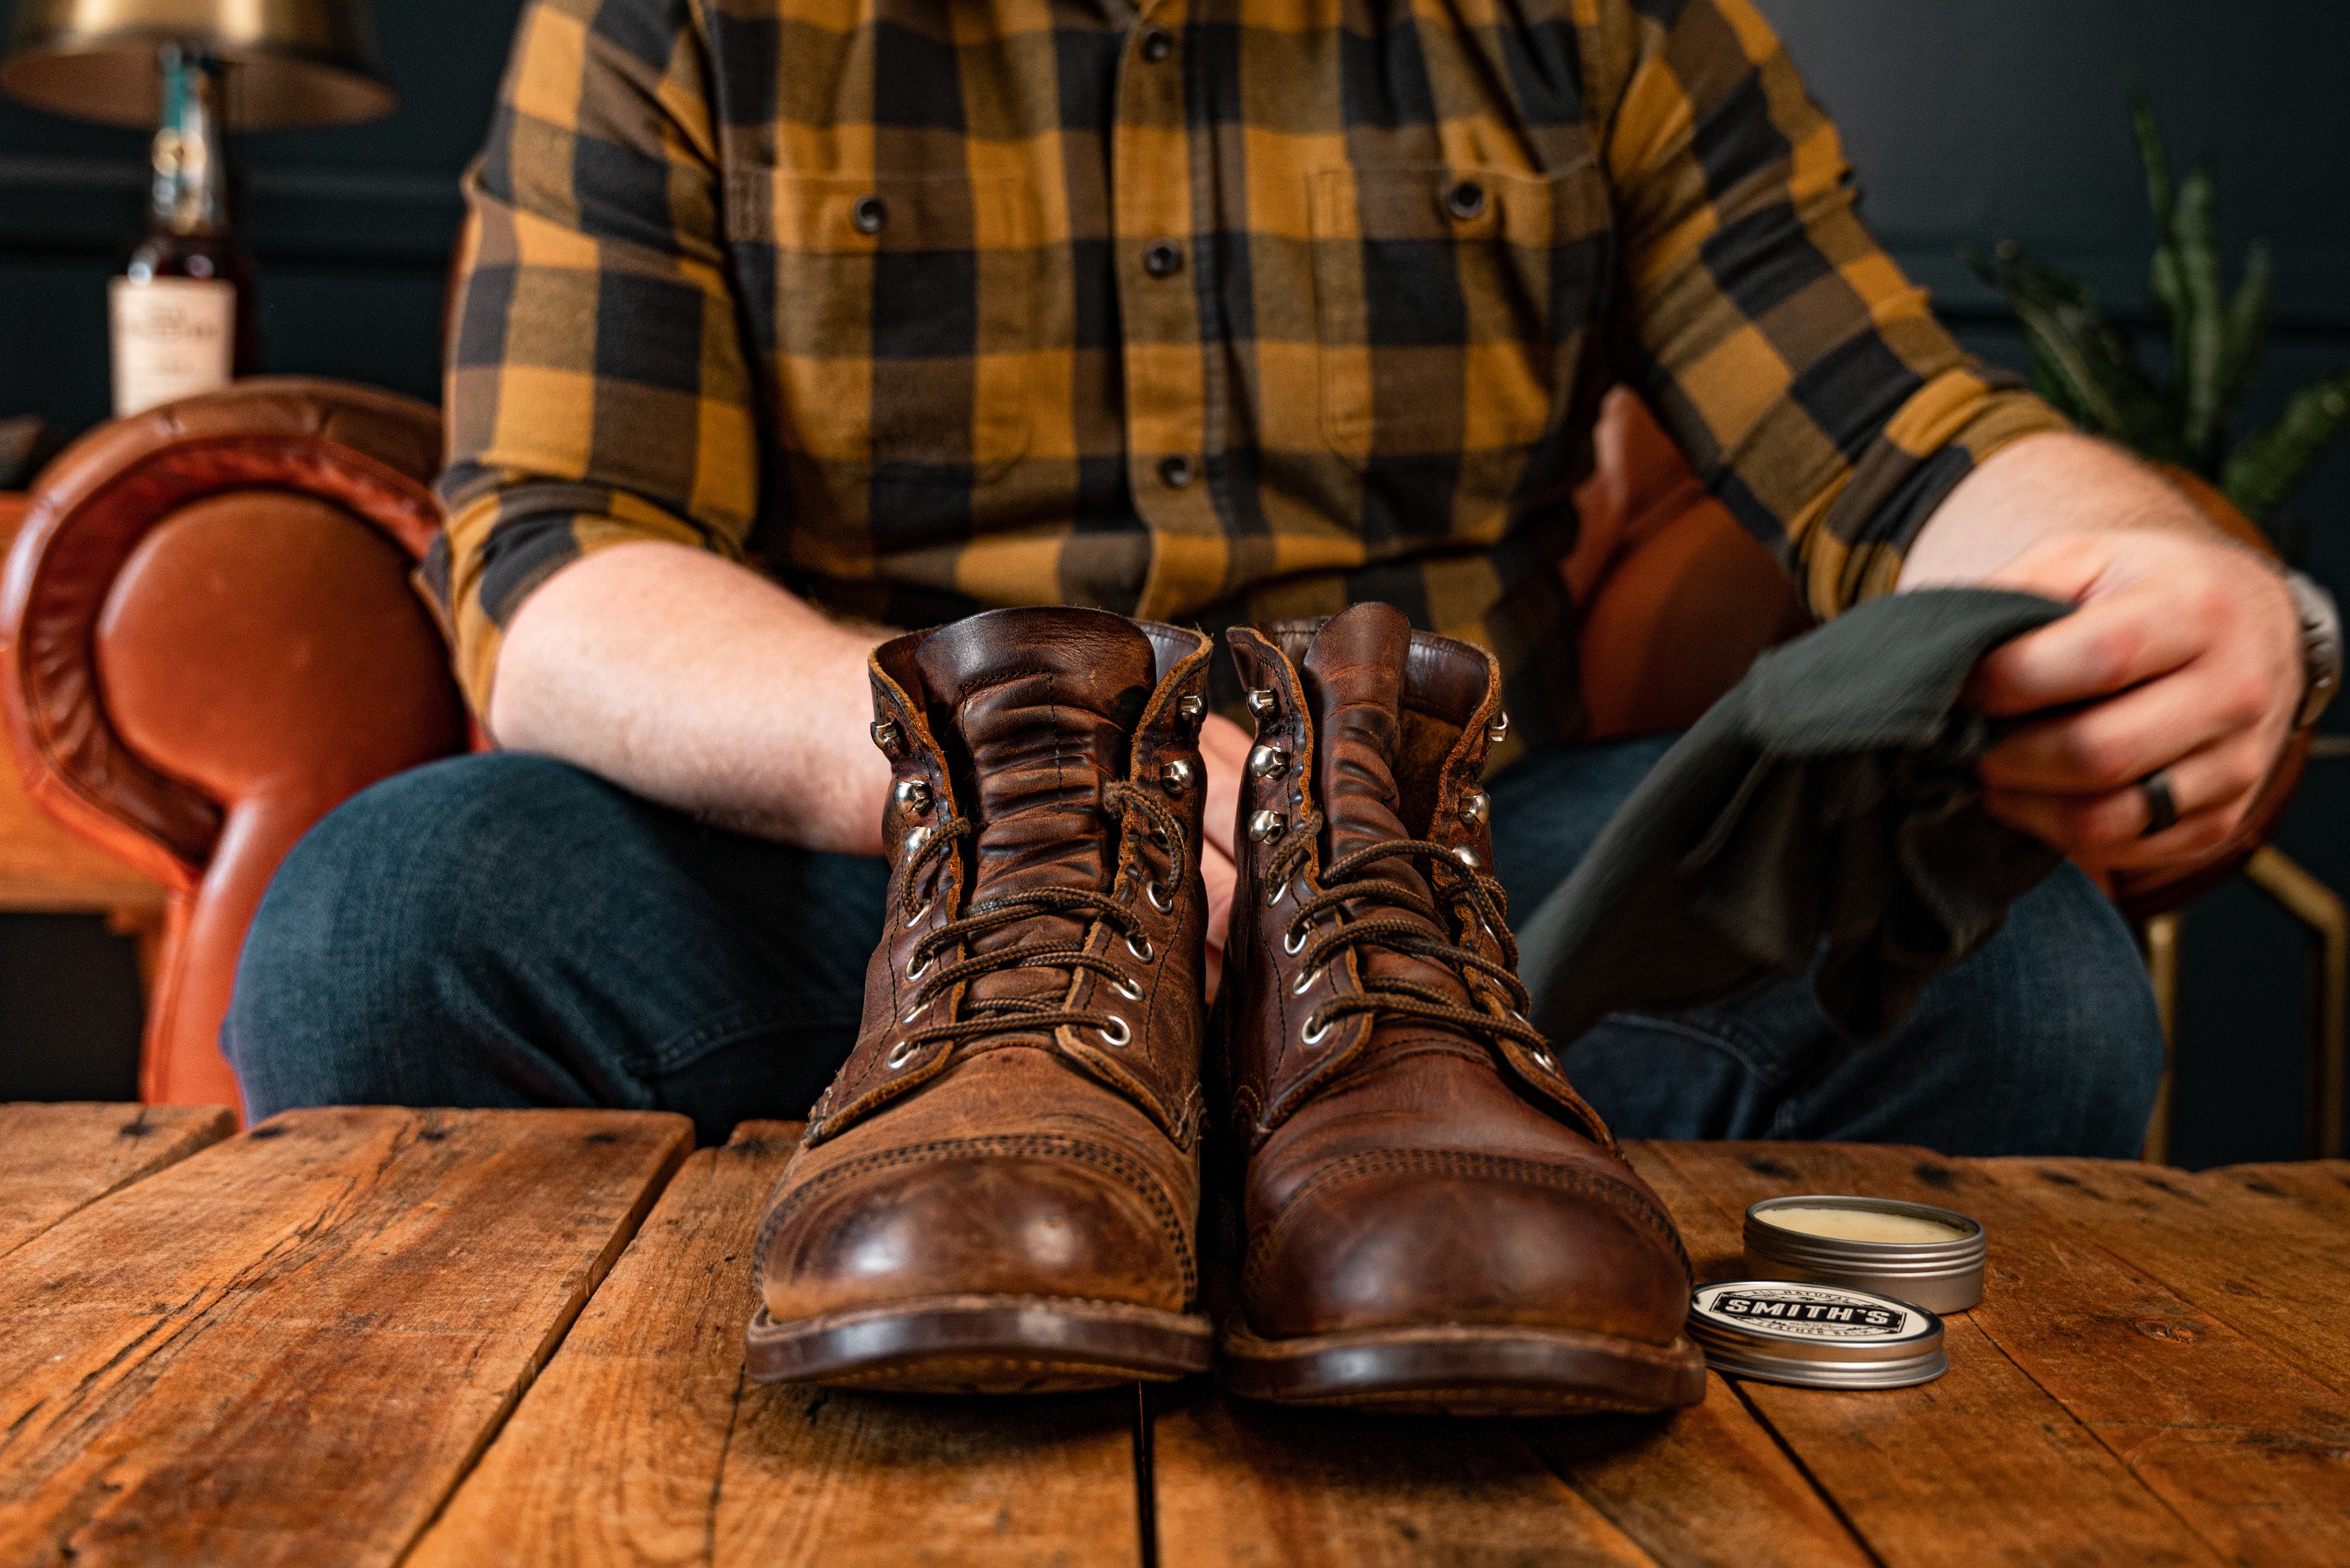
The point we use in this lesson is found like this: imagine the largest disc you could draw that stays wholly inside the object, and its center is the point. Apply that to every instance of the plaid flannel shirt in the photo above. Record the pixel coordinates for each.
(1205, 311)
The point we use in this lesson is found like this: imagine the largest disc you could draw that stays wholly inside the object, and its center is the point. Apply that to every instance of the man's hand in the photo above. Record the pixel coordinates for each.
(2193, 647)
(1225, 748)
(2184, 653)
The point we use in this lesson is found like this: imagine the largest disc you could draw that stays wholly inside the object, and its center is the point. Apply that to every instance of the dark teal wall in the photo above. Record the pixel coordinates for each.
(352, 227)
(1970, 120)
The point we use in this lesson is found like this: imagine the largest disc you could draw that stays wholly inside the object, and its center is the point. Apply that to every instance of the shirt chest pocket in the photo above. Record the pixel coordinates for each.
(1452, 305)
(894, 315)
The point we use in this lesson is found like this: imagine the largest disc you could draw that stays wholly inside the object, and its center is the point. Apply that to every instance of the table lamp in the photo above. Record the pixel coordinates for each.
(182, 308)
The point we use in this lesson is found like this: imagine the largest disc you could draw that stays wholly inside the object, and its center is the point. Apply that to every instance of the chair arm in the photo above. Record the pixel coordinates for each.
(208, 640)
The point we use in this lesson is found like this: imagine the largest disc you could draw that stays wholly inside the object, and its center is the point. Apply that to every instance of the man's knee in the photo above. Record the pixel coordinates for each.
(2069, 1013)
(353, 967)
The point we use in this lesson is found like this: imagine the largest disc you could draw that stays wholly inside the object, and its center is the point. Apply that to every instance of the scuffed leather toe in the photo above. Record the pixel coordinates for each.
(1414, 1238)
(1038, 1215)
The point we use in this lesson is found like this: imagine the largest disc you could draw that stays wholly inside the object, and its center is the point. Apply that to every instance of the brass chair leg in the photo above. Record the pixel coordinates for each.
(2159, 938)
(2319, 911)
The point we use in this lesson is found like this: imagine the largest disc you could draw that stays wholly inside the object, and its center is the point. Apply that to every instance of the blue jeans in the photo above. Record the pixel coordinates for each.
(509, 930)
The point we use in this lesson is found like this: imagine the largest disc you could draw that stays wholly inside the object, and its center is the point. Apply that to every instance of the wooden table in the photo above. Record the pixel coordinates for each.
(514, 1337)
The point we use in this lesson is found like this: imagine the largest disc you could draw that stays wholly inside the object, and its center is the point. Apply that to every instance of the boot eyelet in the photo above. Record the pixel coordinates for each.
(1118, 1039)
(915, 1011)
(1159, 898)
(1311, 1036)
(1293, 941)
(901, 1053)
(1545, 1061)
(917, 971)
(1277, 895)
(1304, 983)
(1126, 989)
(1144, 952)
(916, 917)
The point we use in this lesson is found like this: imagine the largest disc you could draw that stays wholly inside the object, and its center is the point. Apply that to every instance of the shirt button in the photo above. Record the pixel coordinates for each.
(1176, 471)
(1157, 45)
(869, 215)
(1164, 259)
(1466, 199)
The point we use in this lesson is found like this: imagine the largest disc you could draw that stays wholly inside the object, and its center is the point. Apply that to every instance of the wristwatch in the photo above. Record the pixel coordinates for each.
(2321, 645)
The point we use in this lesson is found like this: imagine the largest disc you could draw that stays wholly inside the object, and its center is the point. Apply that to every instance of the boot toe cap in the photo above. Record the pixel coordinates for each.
(1465, 1242)
(971, 1221)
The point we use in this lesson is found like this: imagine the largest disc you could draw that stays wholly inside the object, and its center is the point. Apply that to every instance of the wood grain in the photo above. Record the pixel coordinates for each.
(642, 1443)
(2234, 1437)
(1708, 1485)
(56, 1159)
(2320, 1186)
(2260, 1261)
(1982, 1464)
(289, 1348)
(1256, 1485)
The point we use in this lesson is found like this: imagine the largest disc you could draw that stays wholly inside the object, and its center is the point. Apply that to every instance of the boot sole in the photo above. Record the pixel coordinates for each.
(1467, 1371)
(982, 1345)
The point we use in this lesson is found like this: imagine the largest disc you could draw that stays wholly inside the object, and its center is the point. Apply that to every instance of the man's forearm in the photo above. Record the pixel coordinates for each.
(2040, 487)
(698, 683)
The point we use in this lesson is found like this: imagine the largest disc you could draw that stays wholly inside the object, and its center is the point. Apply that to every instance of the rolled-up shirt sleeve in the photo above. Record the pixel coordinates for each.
(1800, 372)
(597, 389)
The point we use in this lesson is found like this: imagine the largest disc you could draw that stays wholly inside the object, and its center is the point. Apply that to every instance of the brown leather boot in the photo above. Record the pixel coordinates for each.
(999, 1191)
(1435, 1220)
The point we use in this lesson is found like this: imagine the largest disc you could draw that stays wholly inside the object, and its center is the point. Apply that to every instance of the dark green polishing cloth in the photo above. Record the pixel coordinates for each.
(1827, 809)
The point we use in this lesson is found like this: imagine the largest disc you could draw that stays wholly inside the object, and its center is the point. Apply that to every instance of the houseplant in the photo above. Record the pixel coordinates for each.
(2089, 367)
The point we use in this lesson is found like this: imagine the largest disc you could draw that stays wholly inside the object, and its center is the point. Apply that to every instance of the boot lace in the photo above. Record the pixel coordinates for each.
(1462, 890)
(1012, 1014)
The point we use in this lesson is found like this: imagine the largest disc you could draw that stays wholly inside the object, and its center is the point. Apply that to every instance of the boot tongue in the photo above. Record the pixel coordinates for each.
(1354, 674)
(1354, 680)
(1045, 703)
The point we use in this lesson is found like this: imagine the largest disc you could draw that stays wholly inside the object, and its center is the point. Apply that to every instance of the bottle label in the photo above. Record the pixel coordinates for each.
(173, 338)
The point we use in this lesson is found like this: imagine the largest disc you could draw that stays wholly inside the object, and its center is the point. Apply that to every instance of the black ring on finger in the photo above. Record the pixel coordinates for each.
(2161, 806)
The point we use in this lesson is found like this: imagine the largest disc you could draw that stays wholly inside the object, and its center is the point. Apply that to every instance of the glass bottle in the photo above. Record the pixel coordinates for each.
(181, 306)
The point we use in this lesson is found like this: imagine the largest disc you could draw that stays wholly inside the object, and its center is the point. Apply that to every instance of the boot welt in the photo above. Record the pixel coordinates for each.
(982, 1345)
(1466, 1370)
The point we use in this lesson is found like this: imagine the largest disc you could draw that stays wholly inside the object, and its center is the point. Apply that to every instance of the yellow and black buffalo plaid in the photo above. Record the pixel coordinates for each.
(1204, 311)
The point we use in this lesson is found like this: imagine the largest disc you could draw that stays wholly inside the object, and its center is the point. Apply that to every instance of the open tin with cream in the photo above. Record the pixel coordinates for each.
(1914, 1253)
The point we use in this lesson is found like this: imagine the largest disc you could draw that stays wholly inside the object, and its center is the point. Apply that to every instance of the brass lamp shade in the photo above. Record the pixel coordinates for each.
(291, 62)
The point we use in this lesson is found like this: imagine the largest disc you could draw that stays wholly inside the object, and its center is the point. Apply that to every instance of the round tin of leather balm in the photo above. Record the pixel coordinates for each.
(1914, 1253)
(1815, 1336)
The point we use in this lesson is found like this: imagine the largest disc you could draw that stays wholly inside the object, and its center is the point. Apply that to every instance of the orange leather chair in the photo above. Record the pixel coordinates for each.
(208, 640)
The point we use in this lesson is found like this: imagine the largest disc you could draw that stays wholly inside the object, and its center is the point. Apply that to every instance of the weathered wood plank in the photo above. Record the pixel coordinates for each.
(2319, 1185)
(1255, 1485)
(2234, 1437)
(55, 1158)
(1709, 1485)
(289, 1348)
(1981, 1465)
(641, 1442)
(2260, 1262)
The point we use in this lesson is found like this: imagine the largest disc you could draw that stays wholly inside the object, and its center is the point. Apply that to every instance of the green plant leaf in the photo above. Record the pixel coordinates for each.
(2151, 152)
(2272, 464)
(2198, 332)
(2248, 334)
(2162, 284)
(2086, 367)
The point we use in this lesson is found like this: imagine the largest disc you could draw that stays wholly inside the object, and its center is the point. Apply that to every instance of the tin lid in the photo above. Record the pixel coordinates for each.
(1815, 1335)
